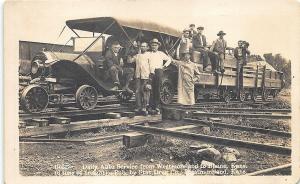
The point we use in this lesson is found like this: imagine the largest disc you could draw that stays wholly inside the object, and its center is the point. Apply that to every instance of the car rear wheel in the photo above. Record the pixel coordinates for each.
(86, 97)
(166, 92)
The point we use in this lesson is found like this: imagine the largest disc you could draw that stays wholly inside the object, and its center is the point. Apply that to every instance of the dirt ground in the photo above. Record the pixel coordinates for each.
(161, 156)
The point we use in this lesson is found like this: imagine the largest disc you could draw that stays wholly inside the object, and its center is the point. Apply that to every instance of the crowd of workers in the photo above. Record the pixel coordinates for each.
(144, 63)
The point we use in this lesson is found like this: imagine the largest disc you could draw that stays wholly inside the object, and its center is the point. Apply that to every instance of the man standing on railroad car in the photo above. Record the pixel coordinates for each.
(192, 31)
(113, 64)
(240, 54)
(218, 48)
(200, 45)
(185, 44)
(157, 64)
(142, 73)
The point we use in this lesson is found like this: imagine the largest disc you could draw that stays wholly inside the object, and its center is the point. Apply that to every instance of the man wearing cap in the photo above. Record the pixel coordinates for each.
(200, 45)
(142, 73)
(113, 64)
(157, 59)
(185, 44)
(192, 31)
(218, 48)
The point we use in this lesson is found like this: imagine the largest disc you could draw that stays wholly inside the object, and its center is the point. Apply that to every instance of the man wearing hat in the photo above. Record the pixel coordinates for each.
(158, 60)
(185, 44)
(192, 31)
(113, 64)
(200, 45)
(218, 48)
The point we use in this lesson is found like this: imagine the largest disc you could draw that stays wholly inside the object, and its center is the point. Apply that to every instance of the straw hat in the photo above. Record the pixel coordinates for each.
(155, 40)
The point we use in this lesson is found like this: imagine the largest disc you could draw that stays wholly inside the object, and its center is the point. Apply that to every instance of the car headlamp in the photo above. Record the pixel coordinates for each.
(35, 66)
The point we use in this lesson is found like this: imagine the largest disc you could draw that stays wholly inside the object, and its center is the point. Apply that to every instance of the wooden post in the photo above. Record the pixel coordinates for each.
(256, 78)
(263, 80)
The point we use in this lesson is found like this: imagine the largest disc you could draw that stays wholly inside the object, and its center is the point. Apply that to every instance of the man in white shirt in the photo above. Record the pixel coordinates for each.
(157, 64)
(142, 73)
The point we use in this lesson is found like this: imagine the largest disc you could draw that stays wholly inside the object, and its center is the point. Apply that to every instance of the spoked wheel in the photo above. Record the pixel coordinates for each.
(254, 96)
(86, 97)
(166, 92)
(124, 96)
(242, 95)
(265, 95)
(225, 95)
(34, 99)
(274, 93)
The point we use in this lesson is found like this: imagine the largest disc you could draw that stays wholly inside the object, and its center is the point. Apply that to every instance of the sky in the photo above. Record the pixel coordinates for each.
(270, 26)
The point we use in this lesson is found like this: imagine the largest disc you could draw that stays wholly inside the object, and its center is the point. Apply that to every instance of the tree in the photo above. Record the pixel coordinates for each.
(280, 64)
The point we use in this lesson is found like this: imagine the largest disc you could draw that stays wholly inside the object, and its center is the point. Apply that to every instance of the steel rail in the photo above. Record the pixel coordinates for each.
(261, 116)
(240, 109)
(204, 103)
(76, 112)
(271, 170)
(239, 127)
(214, 140)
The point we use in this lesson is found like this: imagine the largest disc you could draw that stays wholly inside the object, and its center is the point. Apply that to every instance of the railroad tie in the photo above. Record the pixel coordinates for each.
(38, 123)
(113, 115)
(60, 120)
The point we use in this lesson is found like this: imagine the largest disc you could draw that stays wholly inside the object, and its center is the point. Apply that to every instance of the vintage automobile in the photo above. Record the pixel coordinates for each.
(58, 77)
(259, 79)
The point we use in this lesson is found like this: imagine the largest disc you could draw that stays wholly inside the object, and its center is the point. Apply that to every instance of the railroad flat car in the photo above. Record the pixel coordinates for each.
(258, 79)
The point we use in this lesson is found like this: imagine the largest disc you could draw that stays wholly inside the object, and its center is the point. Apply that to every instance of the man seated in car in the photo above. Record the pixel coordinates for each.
(113, 64)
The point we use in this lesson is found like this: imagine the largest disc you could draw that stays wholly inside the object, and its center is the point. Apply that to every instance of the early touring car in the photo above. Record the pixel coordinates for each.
(58, 77)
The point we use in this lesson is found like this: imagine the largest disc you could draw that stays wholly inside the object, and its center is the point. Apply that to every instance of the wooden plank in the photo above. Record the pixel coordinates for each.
(84, 125)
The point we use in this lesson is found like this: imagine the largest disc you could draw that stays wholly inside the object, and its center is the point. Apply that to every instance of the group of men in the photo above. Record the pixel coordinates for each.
(195, 41)
(145, 64)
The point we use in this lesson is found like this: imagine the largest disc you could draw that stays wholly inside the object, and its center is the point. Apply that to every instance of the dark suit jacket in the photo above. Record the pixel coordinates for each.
(111, 59)
(197, 41)
(243, 53)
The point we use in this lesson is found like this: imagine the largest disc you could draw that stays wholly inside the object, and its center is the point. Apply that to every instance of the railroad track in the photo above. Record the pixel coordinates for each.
(189, 124)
